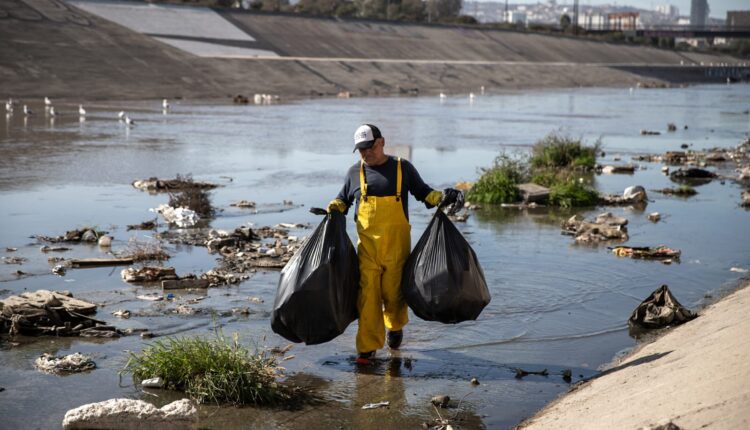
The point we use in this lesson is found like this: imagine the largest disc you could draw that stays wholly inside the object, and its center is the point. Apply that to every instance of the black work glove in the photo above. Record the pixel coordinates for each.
(453, 199)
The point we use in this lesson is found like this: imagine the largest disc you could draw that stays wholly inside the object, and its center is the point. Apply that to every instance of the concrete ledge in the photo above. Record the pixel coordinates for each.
(696, 376)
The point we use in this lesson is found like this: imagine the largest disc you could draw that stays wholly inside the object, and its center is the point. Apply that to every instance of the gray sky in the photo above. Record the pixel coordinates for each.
(719, 8)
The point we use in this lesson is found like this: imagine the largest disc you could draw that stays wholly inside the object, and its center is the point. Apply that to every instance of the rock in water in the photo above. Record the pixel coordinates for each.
(127, 414)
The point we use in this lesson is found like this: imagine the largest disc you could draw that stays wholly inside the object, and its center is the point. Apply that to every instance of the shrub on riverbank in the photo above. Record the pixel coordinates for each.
(499, 183)
(213, 370)
(556, 162)
(561, 152)
(572, 194)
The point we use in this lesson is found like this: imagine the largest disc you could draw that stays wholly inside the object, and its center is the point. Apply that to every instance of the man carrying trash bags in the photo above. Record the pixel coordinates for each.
(326, 285)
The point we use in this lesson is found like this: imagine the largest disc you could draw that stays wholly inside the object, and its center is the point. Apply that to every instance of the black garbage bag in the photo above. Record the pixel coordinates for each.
(442, 279)
(316, 297)
(660, 309)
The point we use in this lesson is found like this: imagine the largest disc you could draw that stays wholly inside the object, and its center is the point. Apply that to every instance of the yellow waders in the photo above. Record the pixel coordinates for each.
(383, 247)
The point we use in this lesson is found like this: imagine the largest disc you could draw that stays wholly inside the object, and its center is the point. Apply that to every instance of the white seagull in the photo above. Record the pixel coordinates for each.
(121, 115)
(81, 110)
(129, 122)
(52, 111)
(27, 111)
(47, 102)
(9, 107)
(165, 104)
(442, 95)
(471, 96)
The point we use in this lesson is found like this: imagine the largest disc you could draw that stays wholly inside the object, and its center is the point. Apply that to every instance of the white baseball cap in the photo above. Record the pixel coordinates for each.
(365, 136)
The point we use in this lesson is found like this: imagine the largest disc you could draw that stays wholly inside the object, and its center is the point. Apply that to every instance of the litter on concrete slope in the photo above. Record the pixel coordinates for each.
(660, 309)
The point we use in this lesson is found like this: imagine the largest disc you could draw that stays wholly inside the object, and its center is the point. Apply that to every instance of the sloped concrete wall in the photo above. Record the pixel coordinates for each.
(52, 48)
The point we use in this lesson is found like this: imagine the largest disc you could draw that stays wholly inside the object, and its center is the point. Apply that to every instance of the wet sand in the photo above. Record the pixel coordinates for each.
(696, 376)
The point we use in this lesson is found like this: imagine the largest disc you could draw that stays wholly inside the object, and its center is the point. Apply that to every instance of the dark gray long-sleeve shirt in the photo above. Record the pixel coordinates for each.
(381, 181)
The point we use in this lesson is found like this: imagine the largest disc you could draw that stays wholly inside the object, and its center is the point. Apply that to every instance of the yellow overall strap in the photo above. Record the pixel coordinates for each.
(398, 180)
(362, 182)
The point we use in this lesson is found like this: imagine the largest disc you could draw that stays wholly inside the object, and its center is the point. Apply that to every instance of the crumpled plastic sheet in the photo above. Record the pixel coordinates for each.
(75, 362)
(182, 217)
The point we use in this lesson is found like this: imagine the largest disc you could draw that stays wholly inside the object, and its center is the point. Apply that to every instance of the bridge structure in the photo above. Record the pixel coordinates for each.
(681, 31)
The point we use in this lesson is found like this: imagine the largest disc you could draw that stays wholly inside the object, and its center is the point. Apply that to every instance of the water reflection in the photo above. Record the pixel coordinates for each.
(555, 305)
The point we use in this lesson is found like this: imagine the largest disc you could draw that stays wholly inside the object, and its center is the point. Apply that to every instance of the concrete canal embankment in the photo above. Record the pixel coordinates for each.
(695, 376)
(132, 50)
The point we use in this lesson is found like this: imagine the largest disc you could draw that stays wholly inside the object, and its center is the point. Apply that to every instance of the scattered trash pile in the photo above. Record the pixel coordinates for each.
(605, 227)
(660, 252)
(614, 169)
(660, 309)
(148, 274)
(135, 252)
(180, 216)
(692, 175)
(180, 183)
(633, 195)
(681, 191)
(243, 250)
(145, 225)
(55, 313)
(79, 235)
(188, 200)
(712, 156)
(72, 363)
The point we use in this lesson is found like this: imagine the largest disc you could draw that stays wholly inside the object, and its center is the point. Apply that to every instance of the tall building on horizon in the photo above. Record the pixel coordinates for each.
(668, 10)
(699, 13)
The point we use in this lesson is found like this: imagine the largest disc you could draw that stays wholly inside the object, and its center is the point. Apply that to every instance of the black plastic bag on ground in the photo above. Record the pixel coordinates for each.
(660, 309)
(442, 279)
(316, 297)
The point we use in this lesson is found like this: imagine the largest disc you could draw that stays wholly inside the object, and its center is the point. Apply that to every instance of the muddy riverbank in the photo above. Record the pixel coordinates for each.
(556, 305)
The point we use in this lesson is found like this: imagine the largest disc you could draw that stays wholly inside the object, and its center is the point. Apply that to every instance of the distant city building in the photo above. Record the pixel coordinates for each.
(623, 21)
(592, 21)
(594, 17)
(515, 17)
(738, 19)
(699, 13)
(668, 10)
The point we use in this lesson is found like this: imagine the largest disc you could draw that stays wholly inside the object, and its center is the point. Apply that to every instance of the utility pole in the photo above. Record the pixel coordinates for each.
(575, 16)
(505, 17)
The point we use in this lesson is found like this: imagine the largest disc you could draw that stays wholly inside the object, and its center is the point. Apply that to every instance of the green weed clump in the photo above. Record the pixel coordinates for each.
(212, 370)
(499, 183)
(572, 194)
(556, 151)
(556, 162)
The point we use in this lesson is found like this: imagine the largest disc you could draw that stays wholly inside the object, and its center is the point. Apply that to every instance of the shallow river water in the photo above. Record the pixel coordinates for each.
(555, 305)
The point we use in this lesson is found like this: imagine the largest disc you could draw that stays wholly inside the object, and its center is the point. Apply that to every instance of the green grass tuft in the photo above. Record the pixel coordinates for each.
(499, 183)
(556, 151)
(212, 370)
(572, 194)
(556, 162)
